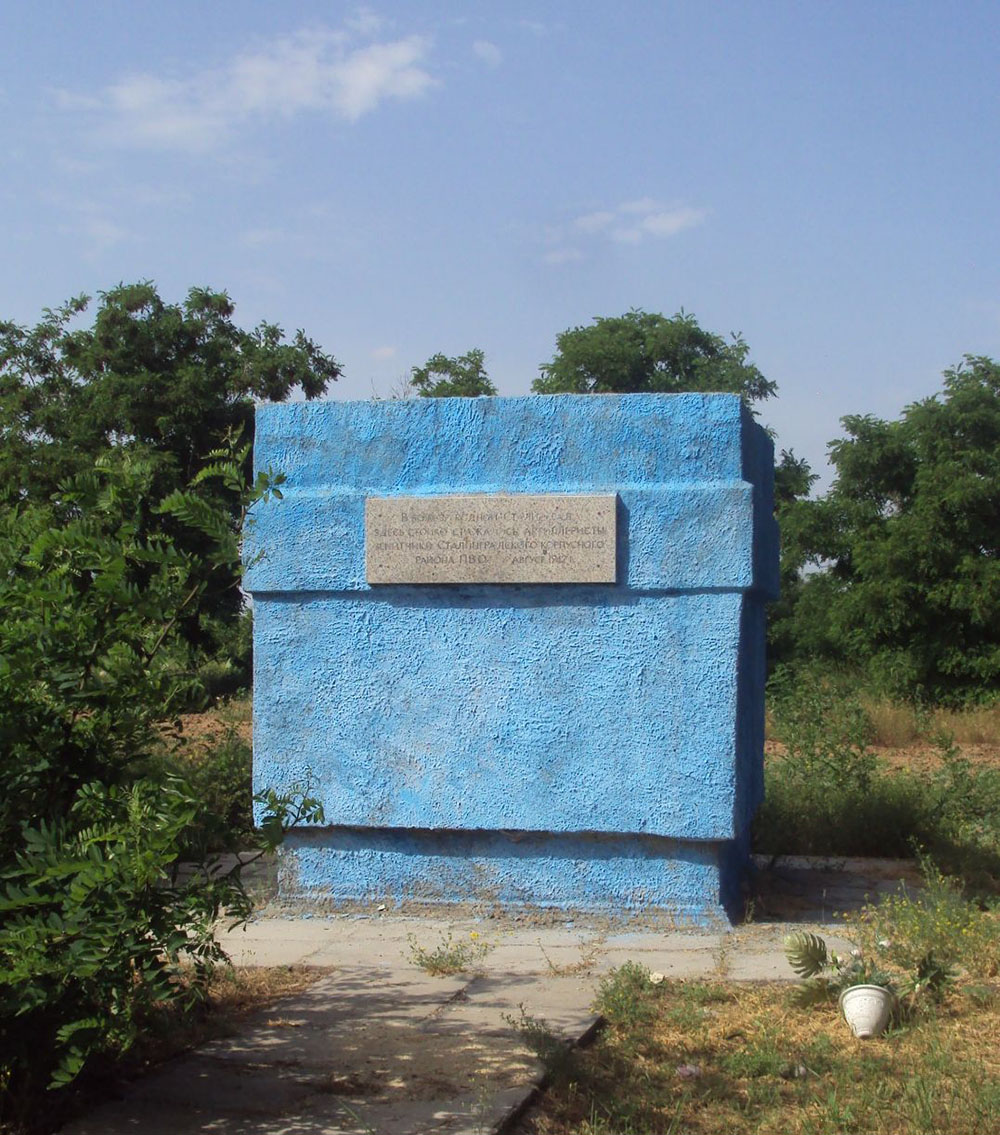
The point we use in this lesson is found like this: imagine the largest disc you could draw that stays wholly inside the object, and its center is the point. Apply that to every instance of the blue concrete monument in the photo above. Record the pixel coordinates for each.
(517, 647)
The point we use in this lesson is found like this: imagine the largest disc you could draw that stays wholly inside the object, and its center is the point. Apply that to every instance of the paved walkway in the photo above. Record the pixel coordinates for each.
(379, 1046)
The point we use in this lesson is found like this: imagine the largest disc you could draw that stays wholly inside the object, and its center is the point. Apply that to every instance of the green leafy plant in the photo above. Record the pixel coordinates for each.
(448, 956)
(219, 771)
(172, 381)
(100, 917)
(461, 377)
(647, 352)
(905, 547)
(828, 973)
(627, 995)
(824, 726)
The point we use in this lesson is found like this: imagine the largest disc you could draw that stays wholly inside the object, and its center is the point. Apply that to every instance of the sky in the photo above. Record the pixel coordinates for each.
(412, 178)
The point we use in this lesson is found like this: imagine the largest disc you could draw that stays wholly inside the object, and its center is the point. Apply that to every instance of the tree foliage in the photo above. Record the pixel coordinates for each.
(95, 914)
(643, 352)
(793, 481)
(907, 544)
(169, 381)
(463, 376)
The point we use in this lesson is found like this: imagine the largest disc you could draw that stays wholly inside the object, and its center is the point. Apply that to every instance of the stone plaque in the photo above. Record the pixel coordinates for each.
(491, 538)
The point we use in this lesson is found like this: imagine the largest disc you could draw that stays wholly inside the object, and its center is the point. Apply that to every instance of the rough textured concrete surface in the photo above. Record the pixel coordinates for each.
(593, 745)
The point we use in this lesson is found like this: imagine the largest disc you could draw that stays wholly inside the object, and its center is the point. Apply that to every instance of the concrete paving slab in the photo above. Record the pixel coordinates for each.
(381, 1046)
(687, 941)
(489, 1000)
(340, 1013)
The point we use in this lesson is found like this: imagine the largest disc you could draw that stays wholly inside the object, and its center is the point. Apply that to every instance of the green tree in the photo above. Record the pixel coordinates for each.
(171, 381)
(907, 544)
(463, 376)
(95, 915)
(643, 352)
(793, 481)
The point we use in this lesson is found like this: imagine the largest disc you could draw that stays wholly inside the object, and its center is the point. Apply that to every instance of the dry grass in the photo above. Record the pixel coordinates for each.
(727, 1059)
(916, 757)
(971, 726)
(233, 993)
(896, 725)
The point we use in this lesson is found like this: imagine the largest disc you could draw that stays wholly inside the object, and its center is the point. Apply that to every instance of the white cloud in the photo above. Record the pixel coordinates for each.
(98, 233)
(104, 233)
(659, 224)
(488, 52)
(563, 256)
(382, 70)
(380, 354)
(630, 222)
(594, 222)
(633, 222)
(316, 70)
(366, 22)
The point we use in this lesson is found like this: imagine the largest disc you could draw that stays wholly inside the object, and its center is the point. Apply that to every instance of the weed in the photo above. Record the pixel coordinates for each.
(556, 1054)
(686, 1015)
(722, 956)
(938, 920)
(824, 726)
(983, 996)
(703, 993)
(830, 796)
(448, 956)
(360, 1123)
(626, 996)
(584, 964)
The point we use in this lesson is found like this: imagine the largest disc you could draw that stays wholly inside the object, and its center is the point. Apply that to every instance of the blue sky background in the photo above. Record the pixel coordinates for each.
(411, 178)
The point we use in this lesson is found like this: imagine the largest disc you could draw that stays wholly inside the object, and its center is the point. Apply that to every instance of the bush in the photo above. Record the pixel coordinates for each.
(220, 773)
(829, 795)
(939, 920)
(95, 924)
(95, 915)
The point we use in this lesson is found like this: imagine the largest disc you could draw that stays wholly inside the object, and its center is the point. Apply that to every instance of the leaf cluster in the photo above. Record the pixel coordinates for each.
(97, 914)
(828, 973)
(907, 546)
(169, 383)
(643, 352)
(463, 376)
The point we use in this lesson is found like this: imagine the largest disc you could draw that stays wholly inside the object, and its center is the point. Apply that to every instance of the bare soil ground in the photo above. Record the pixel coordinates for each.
(919, 757)
(213, 726)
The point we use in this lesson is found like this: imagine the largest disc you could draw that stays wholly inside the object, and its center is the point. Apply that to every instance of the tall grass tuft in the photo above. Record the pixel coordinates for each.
(895, 724)
(829, 794)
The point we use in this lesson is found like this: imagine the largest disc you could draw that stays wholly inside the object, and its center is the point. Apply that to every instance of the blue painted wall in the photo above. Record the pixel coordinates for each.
(482, 738)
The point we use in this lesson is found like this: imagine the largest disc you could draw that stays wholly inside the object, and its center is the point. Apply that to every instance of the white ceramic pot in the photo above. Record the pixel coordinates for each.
(867, 1009)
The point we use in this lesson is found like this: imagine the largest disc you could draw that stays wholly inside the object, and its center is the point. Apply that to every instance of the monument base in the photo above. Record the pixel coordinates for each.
(695, 882)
